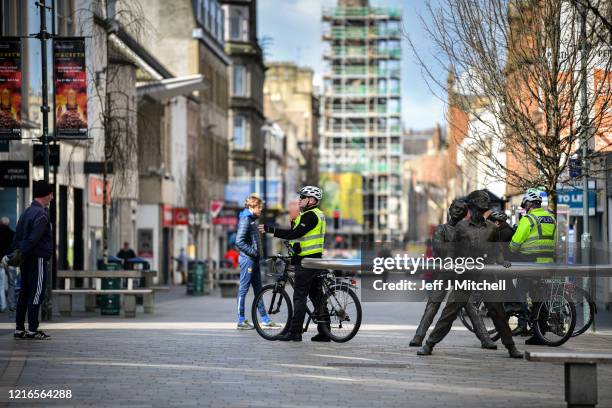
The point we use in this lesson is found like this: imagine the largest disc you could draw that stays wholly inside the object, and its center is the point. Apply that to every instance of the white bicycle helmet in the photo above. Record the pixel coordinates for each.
(532, 196)
(311, 191)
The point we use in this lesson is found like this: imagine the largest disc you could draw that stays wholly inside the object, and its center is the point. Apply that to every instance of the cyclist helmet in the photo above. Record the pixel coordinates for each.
(531, 196)
(311, 191)
(498, 216)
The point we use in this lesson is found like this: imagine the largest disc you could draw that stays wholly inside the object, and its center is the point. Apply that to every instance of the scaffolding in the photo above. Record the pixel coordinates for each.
(361, 129)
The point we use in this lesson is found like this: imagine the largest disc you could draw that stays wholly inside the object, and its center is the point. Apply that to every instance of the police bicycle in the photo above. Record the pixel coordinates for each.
(552, 319)
(339, 309)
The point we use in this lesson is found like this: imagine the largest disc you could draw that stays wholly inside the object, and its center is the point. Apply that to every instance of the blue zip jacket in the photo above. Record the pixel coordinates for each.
(33, 236)
(247, 236)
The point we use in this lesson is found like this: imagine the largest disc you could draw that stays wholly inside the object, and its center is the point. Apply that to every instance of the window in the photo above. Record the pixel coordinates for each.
(239, 134)
(239, 23)
(219, 32)
(65, 17)
(239, 81)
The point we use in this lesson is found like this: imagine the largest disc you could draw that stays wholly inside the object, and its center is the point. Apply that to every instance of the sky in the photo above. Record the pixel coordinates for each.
(294, 31)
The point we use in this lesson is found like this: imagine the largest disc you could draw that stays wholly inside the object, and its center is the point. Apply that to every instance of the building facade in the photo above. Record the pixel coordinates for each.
(361, 130)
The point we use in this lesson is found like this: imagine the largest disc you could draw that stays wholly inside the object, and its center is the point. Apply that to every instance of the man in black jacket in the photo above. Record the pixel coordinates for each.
(33, 238)
(307, 237)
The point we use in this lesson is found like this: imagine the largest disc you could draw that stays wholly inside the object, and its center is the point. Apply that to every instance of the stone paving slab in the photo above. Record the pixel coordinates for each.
(187, 355)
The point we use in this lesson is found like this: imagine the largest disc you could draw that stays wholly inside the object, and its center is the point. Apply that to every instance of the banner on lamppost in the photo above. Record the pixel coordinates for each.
(10, 88)
(70, 86)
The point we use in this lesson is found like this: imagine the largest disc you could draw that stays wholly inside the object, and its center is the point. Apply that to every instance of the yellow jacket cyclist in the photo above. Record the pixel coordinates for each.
(534, 238)
(307, 238)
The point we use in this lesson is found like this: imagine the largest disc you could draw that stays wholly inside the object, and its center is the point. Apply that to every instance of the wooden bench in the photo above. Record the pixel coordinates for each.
(129, 294)
(129, 299)
(580, 374)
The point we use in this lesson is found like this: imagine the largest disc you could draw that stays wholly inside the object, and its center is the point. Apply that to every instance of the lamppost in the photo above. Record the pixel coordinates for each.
(267, 128)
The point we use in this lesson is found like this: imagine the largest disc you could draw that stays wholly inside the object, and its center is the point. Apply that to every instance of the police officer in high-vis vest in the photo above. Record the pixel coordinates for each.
(533, 241)
(307, 238)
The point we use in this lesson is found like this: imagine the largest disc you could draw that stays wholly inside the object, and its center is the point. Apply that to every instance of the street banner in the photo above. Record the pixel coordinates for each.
(10, 88)
(70, 86)
(180, 216)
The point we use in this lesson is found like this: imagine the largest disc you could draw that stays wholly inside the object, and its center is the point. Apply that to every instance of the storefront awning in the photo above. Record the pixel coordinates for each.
(169, 88)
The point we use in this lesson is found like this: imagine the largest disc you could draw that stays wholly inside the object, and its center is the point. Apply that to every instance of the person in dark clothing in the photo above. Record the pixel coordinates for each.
(34, 240)
(6, 272)
(443, 246)
(126, 253)
(474, 238)
(307, 238)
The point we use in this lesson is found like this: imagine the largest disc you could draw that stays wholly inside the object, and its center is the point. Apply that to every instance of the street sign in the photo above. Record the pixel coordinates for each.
(215, 207)
(14, 173)
(573, 198)
(180, 216)
(38, 155)
(575, 168)
(97, 167)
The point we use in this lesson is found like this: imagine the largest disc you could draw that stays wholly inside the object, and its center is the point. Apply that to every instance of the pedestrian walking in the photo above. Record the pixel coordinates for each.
(6, 242)
(33, 239)
(248, 242)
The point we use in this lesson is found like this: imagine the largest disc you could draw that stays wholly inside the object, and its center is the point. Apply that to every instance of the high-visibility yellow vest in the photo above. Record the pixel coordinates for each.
(312, 242)
(535, 236)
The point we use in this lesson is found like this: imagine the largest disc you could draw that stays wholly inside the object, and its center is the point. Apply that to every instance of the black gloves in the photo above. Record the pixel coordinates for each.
(269, 229)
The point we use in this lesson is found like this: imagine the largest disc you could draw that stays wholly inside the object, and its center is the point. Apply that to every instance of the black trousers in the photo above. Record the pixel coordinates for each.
(33, 289)
(451, 311)
(307, 284)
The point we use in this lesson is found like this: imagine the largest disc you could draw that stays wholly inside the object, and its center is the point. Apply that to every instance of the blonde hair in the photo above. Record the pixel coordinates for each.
(252, 201)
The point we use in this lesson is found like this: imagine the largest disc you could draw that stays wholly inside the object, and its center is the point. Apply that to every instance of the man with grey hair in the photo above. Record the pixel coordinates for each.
(7, 274)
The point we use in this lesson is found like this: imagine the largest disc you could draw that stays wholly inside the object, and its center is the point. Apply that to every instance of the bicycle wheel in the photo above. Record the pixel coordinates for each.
(580, 298)
(554, 320)
(278, 307)
(482, 312)
(341, 314)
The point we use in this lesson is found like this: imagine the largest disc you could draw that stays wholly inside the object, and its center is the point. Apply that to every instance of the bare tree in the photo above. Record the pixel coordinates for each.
(116, 118)
(517, 71)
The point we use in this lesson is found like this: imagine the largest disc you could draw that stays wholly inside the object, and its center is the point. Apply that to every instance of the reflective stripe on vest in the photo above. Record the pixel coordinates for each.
(540, 244)
(312, 242)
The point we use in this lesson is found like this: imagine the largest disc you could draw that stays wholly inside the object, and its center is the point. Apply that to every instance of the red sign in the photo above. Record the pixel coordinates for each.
(181, 216)
(231, 221)
(216, 207)
(96, 190)
(166, 216)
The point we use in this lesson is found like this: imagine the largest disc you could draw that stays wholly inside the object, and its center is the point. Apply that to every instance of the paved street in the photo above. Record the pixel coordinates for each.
(188, 354)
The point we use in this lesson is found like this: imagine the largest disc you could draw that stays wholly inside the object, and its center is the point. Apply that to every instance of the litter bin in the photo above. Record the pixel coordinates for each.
(110, 304)
(137, 264)
(196, 274)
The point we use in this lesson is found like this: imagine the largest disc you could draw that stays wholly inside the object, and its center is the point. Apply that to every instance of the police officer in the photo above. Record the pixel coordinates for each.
(307, 238)
(475, 237)
(534, 238)
(443, 246)
(34, 240)
(533, 241)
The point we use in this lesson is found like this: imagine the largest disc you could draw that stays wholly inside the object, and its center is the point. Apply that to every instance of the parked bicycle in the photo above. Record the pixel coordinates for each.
(551, 320)
(339, 309)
